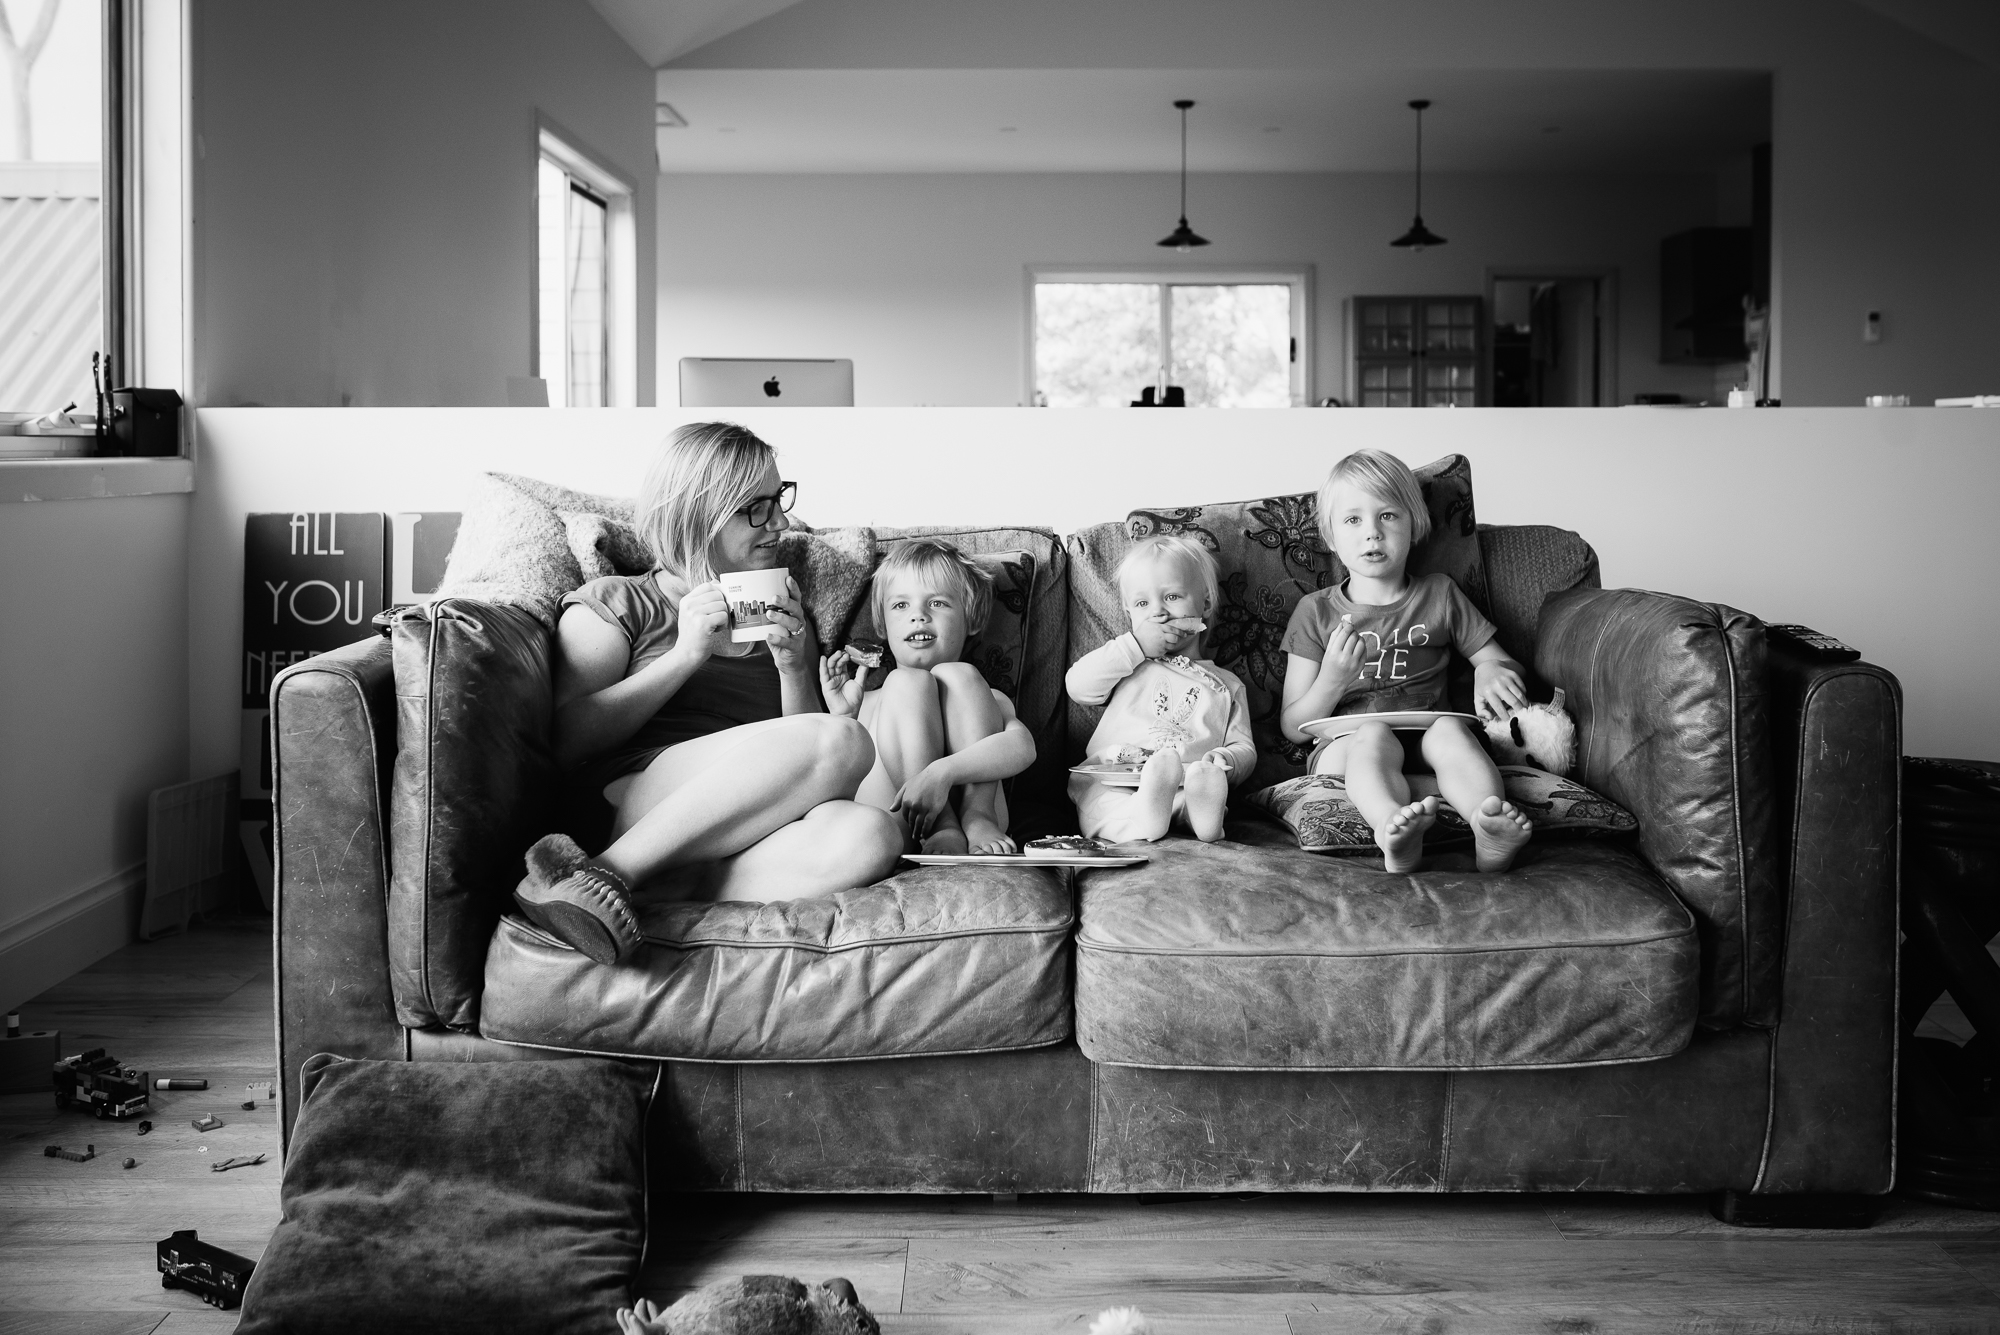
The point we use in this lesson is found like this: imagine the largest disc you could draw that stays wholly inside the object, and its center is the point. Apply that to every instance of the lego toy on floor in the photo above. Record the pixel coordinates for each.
(755, 1305)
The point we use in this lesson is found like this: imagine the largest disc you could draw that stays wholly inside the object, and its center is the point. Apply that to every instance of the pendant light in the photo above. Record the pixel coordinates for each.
(1183, 238)
(1419, 235)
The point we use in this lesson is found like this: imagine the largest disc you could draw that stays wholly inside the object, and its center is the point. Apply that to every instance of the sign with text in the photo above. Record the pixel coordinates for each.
(311, 582)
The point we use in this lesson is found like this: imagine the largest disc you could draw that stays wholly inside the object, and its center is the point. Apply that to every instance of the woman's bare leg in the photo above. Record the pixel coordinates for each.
(1468, 780)
(715, 797)
(971, 713)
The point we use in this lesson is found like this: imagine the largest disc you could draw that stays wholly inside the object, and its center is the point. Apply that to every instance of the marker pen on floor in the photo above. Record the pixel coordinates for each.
(164, 1083)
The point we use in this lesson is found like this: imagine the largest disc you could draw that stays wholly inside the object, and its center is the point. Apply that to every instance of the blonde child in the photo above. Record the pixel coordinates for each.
(1189, 718)
(936, 724)
(1382, 640)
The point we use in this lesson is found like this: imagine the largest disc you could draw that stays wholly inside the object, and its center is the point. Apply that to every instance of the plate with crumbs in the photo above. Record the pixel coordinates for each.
(1402, 720)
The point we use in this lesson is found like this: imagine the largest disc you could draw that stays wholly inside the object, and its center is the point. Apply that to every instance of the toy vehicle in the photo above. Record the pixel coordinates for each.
(215, 1276)
(92, 1077)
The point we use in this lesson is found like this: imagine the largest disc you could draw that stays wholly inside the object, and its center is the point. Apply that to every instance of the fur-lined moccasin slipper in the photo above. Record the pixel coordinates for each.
(586, 907)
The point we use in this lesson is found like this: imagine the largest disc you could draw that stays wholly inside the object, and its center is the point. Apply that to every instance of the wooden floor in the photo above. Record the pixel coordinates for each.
(76, 1240)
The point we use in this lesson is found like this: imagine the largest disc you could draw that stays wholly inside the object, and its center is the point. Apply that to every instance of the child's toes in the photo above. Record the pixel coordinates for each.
(1499, 831)
(1401, 837)
(947, 842)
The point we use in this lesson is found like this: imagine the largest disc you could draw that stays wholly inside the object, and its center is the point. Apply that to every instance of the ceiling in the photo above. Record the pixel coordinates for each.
(1084, 120)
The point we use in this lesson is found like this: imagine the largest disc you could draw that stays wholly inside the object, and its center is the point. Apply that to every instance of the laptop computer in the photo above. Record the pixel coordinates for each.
(767, 382)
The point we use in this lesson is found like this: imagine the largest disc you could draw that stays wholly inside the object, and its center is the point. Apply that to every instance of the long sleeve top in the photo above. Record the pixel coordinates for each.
(1191, 705)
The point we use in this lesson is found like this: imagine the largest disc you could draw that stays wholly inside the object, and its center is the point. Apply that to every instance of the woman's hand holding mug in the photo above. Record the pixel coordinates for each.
(704, 622)
(793, 645)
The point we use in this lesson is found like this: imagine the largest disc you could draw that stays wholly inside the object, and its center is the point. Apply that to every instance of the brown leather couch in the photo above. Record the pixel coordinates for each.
(1710, 1006)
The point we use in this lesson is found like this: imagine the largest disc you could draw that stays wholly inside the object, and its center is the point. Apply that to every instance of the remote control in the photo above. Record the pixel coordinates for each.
(1811, 643)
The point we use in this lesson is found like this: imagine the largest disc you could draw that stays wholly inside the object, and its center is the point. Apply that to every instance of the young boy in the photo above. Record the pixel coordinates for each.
(1188, 719)
(1382, 641)
(937, 725)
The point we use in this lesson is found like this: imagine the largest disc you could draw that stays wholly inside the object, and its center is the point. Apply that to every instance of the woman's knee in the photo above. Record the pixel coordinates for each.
(866, 839)
(841, 749)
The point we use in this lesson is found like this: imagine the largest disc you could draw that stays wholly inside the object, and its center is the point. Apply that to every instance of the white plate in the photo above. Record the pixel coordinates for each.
(1041, 857)
(1111, 776)
(1406, 720)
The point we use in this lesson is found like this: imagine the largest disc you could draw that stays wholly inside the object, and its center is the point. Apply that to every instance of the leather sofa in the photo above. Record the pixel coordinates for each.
(1709, 1006)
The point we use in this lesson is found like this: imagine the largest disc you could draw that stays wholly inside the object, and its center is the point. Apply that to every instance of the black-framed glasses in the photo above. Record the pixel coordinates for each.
(760, 509)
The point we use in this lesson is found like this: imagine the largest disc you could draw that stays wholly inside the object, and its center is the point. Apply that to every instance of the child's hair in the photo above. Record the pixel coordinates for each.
(704, 474)
(1173, 547)
(943, 562)
(1386, 478)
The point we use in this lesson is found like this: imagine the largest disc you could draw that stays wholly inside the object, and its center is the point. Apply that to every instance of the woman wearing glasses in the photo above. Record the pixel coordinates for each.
(728, 779)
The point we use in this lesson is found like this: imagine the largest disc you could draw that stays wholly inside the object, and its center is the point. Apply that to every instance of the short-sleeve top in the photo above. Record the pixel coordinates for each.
(1407, 643)
(722, 693)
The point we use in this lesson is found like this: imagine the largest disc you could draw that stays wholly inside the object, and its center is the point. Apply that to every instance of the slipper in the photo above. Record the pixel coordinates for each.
(586, 907)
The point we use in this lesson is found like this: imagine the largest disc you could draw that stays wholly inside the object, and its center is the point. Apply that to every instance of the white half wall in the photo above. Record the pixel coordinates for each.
(1872, 525)
(920, 278)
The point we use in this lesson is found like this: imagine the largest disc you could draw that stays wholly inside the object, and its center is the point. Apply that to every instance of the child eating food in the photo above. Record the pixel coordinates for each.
(1183, 721)
(1382, 641)
(936, 724)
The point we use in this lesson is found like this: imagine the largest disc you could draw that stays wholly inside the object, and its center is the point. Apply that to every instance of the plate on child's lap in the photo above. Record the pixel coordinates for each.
(1033, 857)
(1110, 773)
(1402, 720)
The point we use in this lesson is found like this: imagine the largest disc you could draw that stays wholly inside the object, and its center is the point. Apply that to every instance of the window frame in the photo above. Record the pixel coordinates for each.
(621, 260)
(1299, 277)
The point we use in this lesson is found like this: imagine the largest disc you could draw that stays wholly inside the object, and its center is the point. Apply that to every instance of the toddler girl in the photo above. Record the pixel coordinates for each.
(936, 724)
(1382, 641)
(1188, 719)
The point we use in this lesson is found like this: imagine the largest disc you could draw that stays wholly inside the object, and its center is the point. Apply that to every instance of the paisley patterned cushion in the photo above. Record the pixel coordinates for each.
(1317, 809)
(1271, 555)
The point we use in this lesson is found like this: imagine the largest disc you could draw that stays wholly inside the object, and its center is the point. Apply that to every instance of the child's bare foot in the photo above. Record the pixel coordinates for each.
(1153, 805)
(984, 837)
(1499, 831)
(1401, 838)
(1207, 800)
(946, 839)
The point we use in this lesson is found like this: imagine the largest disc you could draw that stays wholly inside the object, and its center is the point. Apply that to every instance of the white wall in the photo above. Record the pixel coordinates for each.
(1871, 525)
(364, 191)
(93, 717)
(919, 278)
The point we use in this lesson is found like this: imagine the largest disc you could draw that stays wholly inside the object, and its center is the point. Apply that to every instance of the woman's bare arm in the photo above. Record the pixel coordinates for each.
(597, 705)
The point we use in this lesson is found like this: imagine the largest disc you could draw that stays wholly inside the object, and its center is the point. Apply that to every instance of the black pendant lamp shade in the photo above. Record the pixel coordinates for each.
(1419, 235)
(1183, 236)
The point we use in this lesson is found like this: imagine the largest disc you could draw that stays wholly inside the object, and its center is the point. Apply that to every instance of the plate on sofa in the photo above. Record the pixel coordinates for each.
(1110, 773)
(1407, 720)
(1038, 857)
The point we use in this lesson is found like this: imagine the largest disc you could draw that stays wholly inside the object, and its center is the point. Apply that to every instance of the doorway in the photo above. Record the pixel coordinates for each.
(1552, 340)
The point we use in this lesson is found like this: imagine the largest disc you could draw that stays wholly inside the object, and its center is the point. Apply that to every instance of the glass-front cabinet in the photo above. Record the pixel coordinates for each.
(1415, 352)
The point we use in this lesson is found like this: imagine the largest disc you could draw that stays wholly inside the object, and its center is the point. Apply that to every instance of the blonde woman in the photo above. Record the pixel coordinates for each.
(727, 778)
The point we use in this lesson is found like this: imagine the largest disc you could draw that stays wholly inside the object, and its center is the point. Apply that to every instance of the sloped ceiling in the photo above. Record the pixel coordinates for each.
(1969, 27)
(660, 30)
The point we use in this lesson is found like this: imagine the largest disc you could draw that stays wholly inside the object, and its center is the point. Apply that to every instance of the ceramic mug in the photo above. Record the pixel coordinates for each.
(751, 595)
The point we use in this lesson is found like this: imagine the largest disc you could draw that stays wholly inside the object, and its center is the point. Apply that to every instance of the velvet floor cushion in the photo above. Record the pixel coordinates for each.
(437, 1197)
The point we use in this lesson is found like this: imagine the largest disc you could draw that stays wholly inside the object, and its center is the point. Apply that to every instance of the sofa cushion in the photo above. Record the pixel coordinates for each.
(935, 960)
(436, 1196)
(1317, 810)
(1271, 555)
(1673, 722)
(1248, 953)
(1525, 563)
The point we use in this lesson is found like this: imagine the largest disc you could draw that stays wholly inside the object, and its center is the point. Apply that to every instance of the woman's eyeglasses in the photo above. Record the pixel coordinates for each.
(760, 509)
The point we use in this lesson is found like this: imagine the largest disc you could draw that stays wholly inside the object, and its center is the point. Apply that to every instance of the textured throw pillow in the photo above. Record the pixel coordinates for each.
(436, 1196)
(1317, 810)
(1271, 555)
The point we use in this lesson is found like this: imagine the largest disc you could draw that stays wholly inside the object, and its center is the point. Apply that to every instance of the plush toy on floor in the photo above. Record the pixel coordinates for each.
(1540, 736)
(755, 1305)
(1121, 1321)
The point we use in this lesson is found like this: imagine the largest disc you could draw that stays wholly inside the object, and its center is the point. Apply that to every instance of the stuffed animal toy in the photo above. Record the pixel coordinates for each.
(755, 1305)
(1539, 736)
(1121, 1321)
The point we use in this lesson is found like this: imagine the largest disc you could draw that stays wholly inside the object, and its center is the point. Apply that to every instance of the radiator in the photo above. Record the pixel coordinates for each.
(189, 851)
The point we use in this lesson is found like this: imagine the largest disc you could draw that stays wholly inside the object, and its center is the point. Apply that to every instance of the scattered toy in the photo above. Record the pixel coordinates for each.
(206, 1122)
(88, 1153)
(250, 1105)
(259, 1089)
(145, 1128)
(752, 1305)
(131, 1162)
(164, 1083)
(96, 1080)
(215, 1276)
(233, 1162)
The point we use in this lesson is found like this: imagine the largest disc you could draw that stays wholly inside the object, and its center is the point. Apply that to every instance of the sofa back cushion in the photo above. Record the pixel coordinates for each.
(1673, 723)
(1271, 555)
(1525, 563)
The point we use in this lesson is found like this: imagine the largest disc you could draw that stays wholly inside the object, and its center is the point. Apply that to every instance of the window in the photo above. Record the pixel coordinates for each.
(585, 281)
(1228, 340)
(62, 248)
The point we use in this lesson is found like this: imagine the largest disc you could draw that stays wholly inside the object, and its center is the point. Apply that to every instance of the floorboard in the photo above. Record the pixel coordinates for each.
(76, 1240)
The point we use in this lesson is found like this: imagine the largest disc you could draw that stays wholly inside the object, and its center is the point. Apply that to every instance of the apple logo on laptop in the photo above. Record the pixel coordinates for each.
(771, 388)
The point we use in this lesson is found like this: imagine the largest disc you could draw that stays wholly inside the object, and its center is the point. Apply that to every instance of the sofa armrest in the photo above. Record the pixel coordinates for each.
(1673, 722)
(1837, 736)
(333, 739)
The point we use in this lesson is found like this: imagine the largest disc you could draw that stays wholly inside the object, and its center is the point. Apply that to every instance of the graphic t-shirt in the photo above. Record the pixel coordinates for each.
(1406, 645)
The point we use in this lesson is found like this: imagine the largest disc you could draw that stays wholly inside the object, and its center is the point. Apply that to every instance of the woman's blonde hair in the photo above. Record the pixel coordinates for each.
(706, 472)
(943, 562)
(1386, 478)
(1174, 547)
